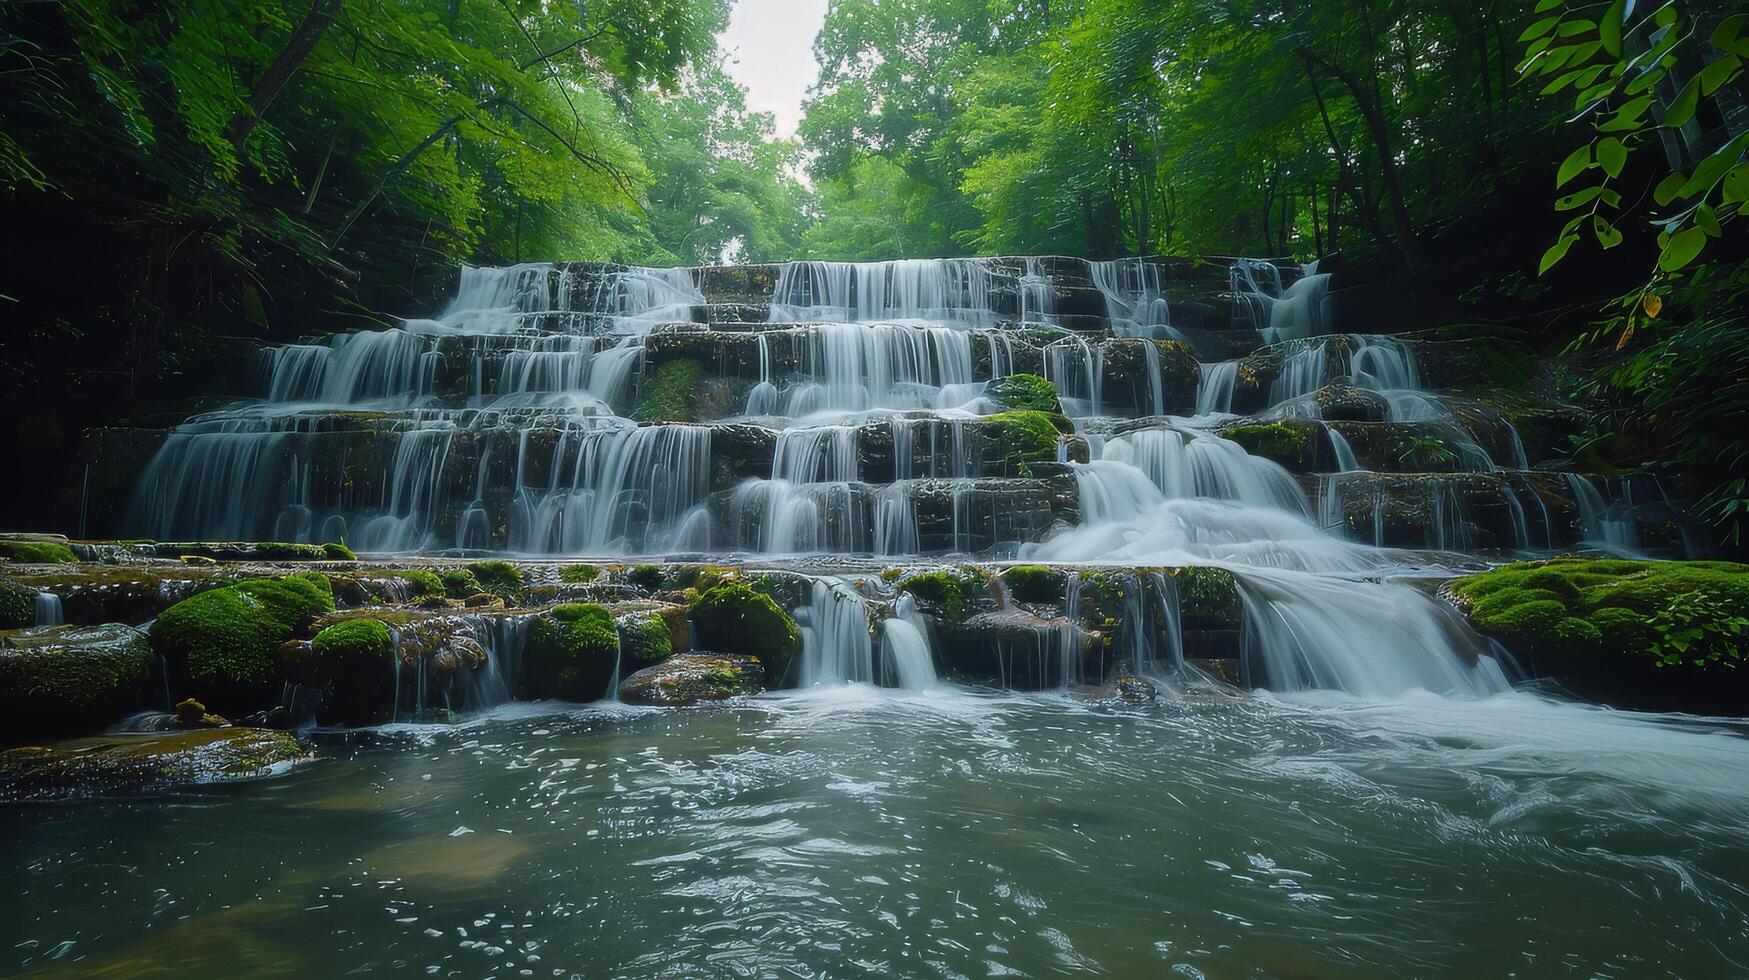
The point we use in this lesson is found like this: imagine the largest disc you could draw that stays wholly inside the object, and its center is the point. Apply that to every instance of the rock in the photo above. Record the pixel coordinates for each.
(132, 763)
(192, 714)
(735, 619)
(1646, 634)
(17, 605)
(690, 678)
(1016, 648)
(483, 600)
(570, 654)
(68, 679)
(1340, 400)
(221, 643)
(356, 660)
(1291, 442)
(949, 594)
(36, 549)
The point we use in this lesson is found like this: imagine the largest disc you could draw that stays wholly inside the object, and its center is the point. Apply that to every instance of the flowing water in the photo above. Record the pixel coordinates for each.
(1390, 800)
(949, 833)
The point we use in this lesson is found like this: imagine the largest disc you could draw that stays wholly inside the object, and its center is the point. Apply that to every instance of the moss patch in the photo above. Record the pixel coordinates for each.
(356, 658)
(222, 640)
(338, 551)
(17, 605)
(646, 577)
(1034, 583)
(579, 574)
(71, 679)
(671, 392)
(645, 638)
(570, 653)
(422, 584)
(950, 591)
(1022, 437)
(1290, 442)
(459, 583)
(1678, 614)
(500, 578)
(1027, 392)
(733, 618)
(1208, 597)
(45, 552)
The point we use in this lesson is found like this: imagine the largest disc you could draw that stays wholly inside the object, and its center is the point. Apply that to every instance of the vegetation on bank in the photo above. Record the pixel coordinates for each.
(1675, 614)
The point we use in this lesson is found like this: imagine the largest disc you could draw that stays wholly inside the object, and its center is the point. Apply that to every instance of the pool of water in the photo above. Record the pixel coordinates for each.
(948, 833)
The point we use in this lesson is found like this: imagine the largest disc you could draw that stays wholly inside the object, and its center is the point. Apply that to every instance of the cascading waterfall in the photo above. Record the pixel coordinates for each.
(48, 609)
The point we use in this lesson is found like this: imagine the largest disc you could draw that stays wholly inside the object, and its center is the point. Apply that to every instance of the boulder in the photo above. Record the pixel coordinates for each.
(1341, 401)
(129, 763)
(691, 678)
(68, 679)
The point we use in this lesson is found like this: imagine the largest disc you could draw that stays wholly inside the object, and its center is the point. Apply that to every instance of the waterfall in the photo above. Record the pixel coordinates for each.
(837, 647)
(1214, 389)
(1277, 308)
(944, 290)
(1603, 526)
(907, 662)
(1135, 297)
(48, 609)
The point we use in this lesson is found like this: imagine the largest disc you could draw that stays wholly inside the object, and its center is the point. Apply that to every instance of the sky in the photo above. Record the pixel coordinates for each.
(771, 52)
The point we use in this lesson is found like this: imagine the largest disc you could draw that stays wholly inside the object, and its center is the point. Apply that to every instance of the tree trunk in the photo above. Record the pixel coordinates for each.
(1370, 112)
(291, 57)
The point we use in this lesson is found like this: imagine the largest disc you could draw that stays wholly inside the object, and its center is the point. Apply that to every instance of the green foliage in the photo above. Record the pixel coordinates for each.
(733, 618)
(338, 551)
(671, 392)
(1425, 451)
(459, 583)
(46, 552)
(1034, 583)
(1287, 441)
(1676, 613)
(579, 574)
(1616, 59)
(646, 577)
(422, 583)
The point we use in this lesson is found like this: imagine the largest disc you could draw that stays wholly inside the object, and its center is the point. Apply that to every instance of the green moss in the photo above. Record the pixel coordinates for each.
(357, 659)
(338, 551)
(1027, 392)
(17, 605)
(579, 574)
(733, 618)
(501, 578)
(222, 640)
(671, 392)
(1034, 583)
(700, 577)
(1290, 442)
(570, 653)
(1023, 437)
(1674, 612)
(45, 552)
(646, 577)
(459, 583)
(645, 639)
(949, 590)
(71, 678)
(422, 584)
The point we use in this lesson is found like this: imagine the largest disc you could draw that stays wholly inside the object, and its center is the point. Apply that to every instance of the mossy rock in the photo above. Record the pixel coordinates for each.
(694, 678)
(422, 584)
(671, 392)
(1035, 583)
(645, 639)
(570, 654)
(949, 593)
(338, 551)
(135, 763)
(700, 577)
(459, 583)
(1022, 437)
(733, 618)
(501, 578)
(71, 679)
(37, 552)
(221, 642)
(1026, 392)
(1291, 442)
(1208, 598)
(356, 658)
(646, 577)
(579, 574)
(17, 605)
(1625, 629)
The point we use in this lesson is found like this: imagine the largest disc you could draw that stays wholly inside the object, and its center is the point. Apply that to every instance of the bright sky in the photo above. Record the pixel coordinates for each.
(771, 52)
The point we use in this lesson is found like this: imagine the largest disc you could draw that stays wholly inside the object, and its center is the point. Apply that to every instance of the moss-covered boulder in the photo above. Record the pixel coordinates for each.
(579, 574)
(733, 618)
(1340, 400)
(17, 605)
(570, 654)
(1020, 438)
(645, 639)
(1034, 583)
(1291, 442)
(137, 763)
(947, 593)
(356, 659)
(71, 679)
(1644, 633)
(693, 678)
(459, 583)
(500, 578)
(219, 644)
(1026, 392)
(35, 551)
(422, 584)
(648, 578)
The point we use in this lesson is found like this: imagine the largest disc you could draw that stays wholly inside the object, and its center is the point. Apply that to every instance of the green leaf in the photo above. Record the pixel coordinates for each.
(1612, 154)
(1683, 247)
(1607, 235)
(1609, 28)
(1718, 73)
(1574, 165)
(1666, 190)
(1707, 221)
(1627, 118)
(1728, 31)
(1736, 184)
(1544, 6)
(1538, 29)
(1682, 108)
(1555, 253)
(1578, 199)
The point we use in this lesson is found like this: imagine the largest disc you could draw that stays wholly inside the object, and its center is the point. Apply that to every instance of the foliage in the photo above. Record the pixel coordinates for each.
(501, 578)
(1618, 59)
(1027, 391)
(1023, 437)
(671, 392)
(646, 577)
(579, 574)
(1677, 613)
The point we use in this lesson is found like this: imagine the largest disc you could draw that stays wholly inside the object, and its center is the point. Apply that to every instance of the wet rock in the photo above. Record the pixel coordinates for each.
(220, 644)
(691, 678)
(1018, 649)
(736, 619)
(128, 763)
(17, 605)
(1293, 443)
(1340, 400)
(191, 714)
(67, 679)
(571, 653)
